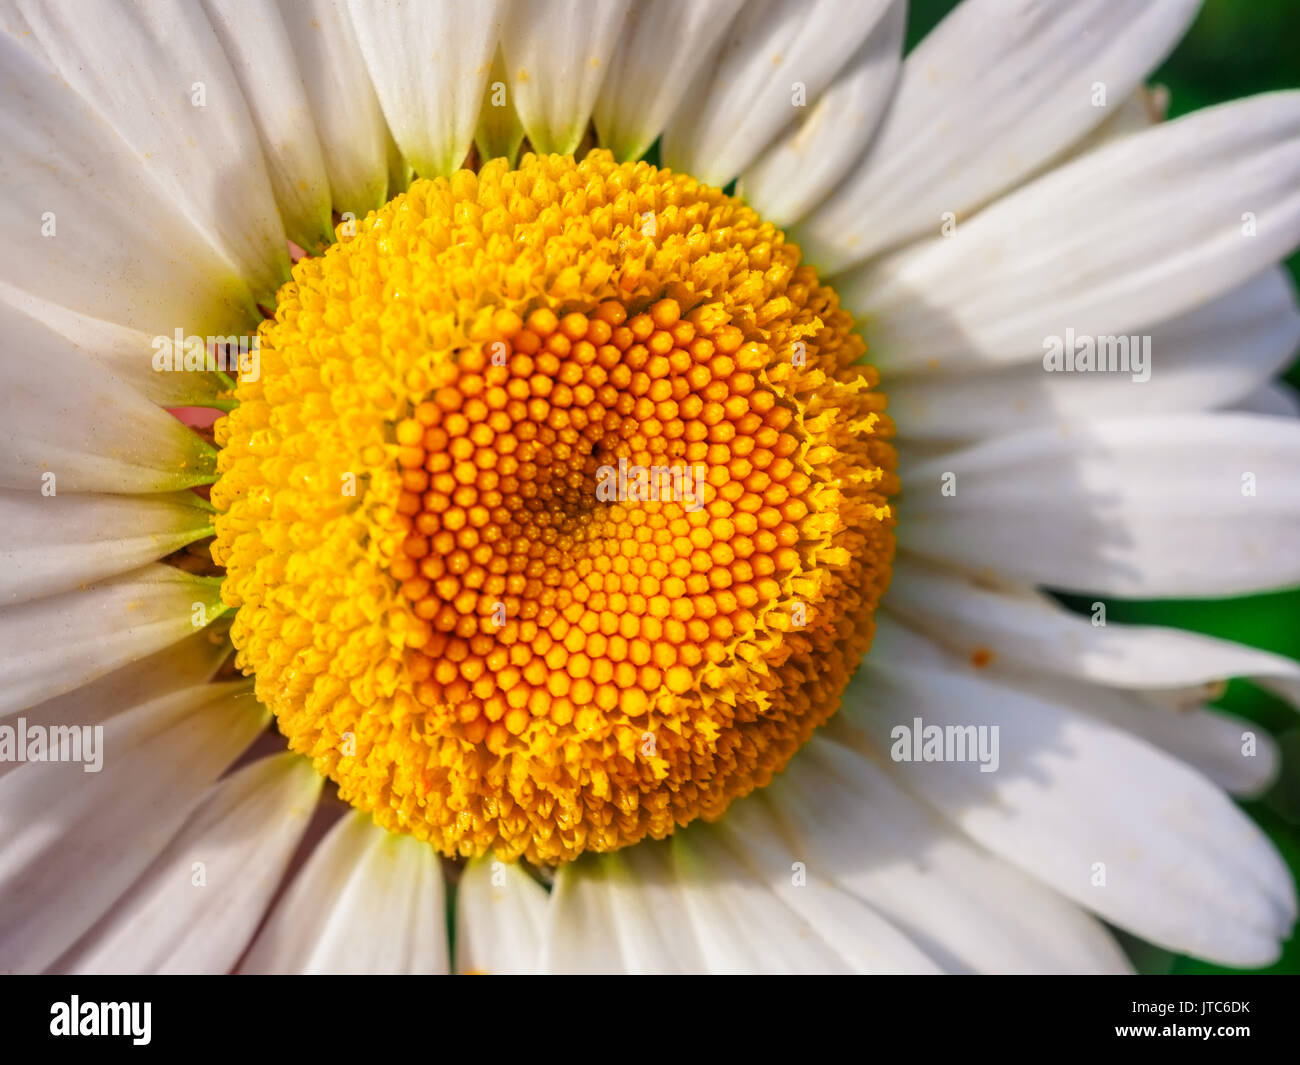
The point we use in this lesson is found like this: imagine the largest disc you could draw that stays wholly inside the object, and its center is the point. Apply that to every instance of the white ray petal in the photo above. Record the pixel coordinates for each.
(557, 54)
(429, 64)
(499, 132)
(1104, 818)
(1147, 227)
(621, 913)
(1276, 400)
(867, 941)
(55, 645)
(256, 43)
(64, 415)
(89, 227)
(158, 76)
(349, 121)
(777, 57)
(796, 173)
(126, 353)
(500, 919)
(60, 824)
(968, 910)
(194, 660)
(51, 544)
(727, 906)
(1236, 754)
(1214, 356)
(653, 68)
(1030, 632)
(198, 904)
(367, 901)
(998, 89)
(1175, 505)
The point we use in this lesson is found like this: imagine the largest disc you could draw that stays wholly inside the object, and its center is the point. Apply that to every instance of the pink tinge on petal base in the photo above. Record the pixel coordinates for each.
(196, 417)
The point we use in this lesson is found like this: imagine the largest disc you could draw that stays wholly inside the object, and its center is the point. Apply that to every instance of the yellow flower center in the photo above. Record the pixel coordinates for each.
(558, 514)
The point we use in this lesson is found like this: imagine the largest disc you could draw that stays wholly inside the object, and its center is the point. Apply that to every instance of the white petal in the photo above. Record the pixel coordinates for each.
(995, 91)
(13, 23)
(621, 913)
(728, 906)
(1140, 110)
(1032, 633)
(557, 53)
(1232, 752)
(775, 53)
(126, 353)
(143, 67)
(1277, 400)
(1075, 802)
(1134, 507)
(52, 544)
(969, 911)
(1212, 356)
(256, 43)
(1147, 227)
(429, 64)
(499, 132)
(61, 413)
(500, 919)
(796, 173)
(73, 841)
(54, 645)
(894, 641)
(866, 941)
(89, 227)
(691, 904)
(196, 907)
(367, 901)
(349, 121)
(653, 68)
(193, 661)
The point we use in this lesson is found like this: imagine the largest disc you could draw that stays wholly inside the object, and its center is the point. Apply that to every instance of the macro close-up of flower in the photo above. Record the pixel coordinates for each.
(643, 486)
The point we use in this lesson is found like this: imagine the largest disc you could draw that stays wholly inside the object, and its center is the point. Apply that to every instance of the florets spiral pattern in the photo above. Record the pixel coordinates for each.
(439, 603)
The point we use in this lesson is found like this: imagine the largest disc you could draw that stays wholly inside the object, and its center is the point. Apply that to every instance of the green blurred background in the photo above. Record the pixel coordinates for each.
(1235, 48)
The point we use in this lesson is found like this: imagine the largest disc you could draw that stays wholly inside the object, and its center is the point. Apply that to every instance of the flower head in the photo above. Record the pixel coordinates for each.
(439, 603)
(529, 510)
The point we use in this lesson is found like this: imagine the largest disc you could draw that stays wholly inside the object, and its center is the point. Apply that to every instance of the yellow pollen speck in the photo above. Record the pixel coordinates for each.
(549, 531)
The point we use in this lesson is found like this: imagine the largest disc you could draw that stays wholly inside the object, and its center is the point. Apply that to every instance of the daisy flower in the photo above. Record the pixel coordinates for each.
(595, 383)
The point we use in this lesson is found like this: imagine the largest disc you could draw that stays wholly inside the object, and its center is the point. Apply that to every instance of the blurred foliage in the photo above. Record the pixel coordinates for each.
(1235, 48)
